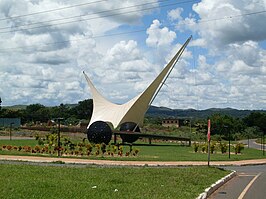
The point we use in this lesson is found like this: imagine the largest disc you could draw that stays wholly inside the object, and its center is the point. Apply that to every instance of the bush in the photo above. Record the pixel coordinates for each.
(40, 141)
(238, 148)
(9, 147)
(204, 147)
(196, 147)
(223, 147)
(103, 148)
(212, 147)
(136, 151)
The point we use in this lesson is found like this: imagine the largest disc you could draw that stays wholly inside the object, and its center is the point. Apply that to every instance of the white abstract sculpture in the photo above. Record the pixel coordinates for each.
(135, 109)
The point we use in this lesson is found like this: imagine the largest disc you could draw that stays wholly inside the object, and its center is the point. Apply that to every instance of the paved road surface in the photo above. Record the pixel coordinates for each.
(252, 144)
(16, 138)
(250, 183)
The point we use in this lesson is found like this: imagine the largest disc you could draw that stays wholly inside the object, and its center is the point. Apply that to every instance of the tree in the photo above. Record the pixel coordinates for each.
(224, 125)
(33, 113)
(257, 119)
(8, 113)
(83, 110)
(62, 111)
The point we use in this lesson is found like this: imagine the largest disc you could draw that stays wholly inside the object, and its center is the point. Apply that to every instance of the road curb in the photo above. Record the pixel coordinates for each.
(216, 185)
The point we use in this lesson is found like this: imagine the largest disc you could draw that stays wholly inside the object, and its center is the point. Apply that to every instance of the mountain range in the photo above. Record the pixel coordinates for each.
(193, 113)
(165, 112)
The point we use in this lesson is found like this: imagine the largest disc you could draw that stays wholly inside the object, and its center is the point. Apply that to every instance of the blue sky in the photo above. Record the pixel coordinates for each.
(223, 66)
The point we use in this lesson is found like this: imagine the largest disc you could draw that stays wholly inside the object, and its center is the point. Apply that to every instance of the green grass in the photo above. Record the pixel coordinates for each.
(18, 142)
(151, 153)
(28, 181)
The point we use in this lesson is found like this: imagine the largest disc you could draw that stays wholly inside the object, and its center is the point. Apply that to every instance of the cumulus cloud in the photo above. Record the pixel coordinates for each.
(159, 37)
(224, 65)
(175, 14)
(230, 65)
(125, 67)
(234, 22)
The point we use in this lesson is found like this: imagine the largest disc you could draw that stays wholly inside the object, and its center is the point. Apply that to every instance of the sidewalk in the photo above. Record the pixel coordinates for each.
(130, 163)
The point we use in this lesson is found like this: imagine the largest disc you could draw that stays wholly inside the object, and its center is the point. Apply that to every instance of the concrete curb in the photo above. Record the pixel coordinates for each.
(130, 163)
(216, 185)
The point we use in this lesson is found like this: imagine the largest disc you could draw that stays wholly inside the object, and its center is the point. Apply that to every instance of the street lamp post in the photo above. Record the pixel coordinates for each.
(263, 148)
(58, 135)
(229, 151)
(229, 142)
(10, 131)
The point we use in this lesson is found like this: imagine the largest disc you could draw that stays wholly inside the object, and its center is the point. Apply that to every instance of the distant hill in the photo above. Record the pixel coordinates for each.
(165, 112)
(15, 107)
(22, 107)
(187, 113)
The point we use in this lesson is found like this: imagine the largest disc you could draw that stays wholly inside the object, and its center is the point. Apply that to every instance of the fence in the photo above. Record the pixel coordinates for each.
(6, 122)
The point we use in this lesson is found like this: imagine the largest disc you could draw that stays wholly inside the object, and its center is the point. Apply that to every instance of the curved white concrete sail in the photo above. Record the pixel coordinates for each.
(135, 109)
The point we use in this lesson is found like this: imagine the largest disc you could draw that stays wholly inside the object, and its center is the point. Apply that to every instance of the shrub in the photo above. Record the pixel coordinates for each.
(40, 141)
(37, 136)
(114, 149)
(136, 151)
(120, 151)
(223, 147)
(109, 149)
(89, 147)
(72, 147)
(97, 152)
(37, 149)
(196, 147)
(103, 148)
(212, 147)
(238, 148)
(204, 147)
(9, 147)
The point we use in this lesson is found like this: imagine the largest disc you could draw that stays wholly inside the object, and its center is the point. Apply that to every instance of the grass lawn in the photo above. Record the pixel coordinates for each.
(151, 153)
(31, 181)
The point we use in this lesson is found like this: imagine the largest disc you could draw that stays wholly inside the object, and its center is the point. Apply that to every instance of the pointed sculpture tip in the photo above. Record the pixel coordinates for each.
(84, 73)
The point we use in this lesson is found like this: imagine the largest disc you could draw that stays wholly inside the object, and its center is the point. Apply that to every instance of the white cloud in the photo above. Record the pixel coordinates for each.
(159, 37)
(228, 30)
(224, 65)
(175, 14)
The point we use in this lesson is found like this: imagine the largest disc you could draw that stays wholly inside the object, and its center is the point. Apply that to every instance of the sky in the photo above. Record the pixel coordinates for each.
(45, 45)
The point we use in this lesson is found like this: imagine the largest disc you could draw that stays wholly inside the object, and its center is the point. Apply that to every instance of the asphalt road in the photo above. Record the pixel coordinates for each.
(250, 183)
(252, 144)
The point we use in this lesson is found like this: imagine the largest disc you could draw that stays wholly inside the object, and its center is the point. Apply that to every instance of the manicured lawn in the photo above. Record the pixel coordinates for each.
(29, 181)
(18, 142)
(171, 152)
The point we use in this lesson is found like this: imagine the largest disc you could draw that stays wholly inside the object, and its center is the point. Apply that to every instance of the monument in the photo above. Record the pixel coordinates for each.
(130, 115)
